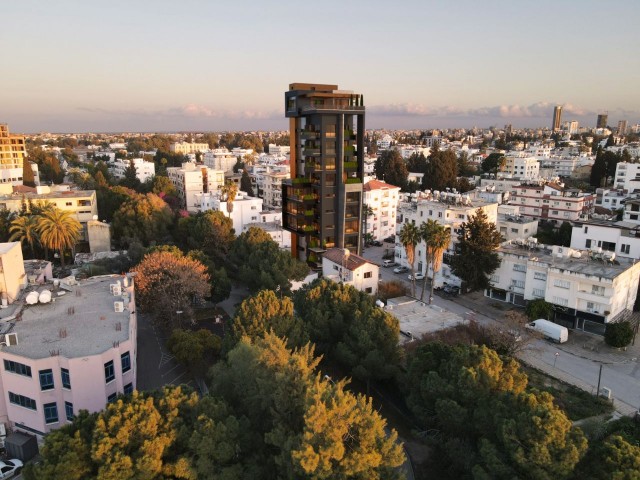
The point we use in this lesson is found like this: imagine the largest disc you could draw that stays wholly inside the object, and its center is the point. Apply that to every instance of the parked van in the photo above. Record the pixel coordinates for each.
(388, 263)
(550, 330)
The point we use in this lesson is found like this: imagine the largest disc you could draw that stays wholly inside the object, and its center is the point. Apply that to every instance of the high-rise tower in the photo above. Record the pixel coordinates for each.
(603, 118)
(557, 118)
(322, 202)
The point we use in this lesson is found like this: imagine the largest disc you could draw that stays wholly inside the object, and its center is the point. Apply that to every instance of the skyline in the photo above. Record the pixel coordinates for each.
(153, 67)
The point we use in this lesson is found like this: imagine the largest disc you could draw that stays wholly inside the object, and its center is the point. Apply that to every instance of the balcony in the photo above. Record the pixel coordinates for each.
(310, 151)
(353, 180)
(600, 299)
(309, 134)
(350, 165)
(349, 151)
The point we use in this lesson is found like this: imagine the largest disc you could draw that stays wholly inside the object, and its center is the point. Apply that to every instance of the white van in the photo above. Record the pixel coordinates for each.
(550, 330)
(388, 263)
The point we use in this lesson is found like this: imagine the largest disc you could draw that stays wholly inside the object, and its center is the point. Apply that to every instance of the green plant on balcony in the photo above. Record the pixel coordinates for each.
(313, 257)
(299, 180)
(353, 180)
(313, 242)
(349, 149)
(350, 164)
(308, 228)
(308, 213)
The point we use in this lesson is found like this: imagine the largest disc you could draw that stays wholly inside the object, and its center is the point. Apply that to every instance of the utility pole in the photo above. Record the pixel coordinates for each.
(599, 377)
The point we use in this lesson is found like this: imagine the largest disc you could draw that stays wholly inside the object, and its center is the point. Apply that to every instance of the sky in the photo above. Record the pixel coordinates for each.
(138, 65)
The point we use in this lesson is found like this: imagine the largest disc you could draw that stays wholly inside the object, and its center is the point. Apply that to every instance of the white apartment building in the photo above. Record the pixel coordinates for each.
(587, 289)
(245, 209)
(553, 203)
(525, 168)
(383, 200)
(512, 225)
(632, 211)
(188, 147)
(219, 159)
(342, 266)
(621, 238)
(279, 150)
(627, 176)
(241, 152)
(192, 179)
(562, 166)
(144, 170)
(611, 199)
(272, 188)
(447, 209)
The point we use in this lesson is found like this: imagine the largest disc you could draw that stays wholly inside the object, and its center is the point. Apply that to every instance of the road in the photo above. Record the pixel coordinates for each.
(573, 364)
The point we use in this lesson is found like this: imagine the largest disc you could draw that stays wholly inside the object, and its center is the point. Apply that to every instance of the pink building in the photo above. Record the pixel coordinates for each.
(552, 202)
(75, 351)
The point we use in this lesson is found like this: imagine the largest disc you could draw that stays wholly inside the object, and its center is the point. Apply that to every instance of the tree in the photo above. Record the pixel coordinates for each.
(262, 265)
(130, 179)
(229, 191)
(493, 163)
(616, 458)
(168, 283)
(245, 183)
(210, 231)
(25, 229)
(611, 141)
(442, 170)
(6, 218)
(58, 230)
(437, 239)
(417, 163)
(409, 237)
(28, 178)
(539, 308)
(162, 185)
(367, 211)
(146, 218)
(618, 334)
(264, 313)
(475, 257)
(195, 350)
(391, 167)
(564, 234)
(465, 169)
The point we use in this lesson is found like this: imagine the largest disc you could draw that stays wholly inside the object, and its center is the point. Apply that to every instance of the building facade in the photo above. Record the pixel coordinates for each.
(322, 202)
(340, 265)
(12, 156)
(382, 198)
(144, 170)
(525, 168)
(552, 202)
(192, 180)
(620, 238)
(188, 147)
(557, 118)
(602, 120)
(627, 176)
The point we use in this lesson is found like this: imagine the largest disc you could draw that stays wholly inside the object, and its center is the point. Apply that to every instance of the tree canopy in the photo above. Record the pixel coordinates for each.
(145, 218)
(442, 170)
(391, 167)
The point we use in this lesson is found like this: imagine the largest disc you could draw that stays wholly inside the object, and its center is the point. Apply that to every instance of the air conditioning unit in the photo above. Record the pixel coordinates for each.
(115, 289)
(118, 307)
(605, 392)
(11, 339)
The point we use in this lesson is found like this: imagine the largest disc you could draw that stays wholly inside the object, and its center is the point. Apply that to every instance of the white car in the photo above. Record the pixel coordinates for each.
(419, 276)
(400, 269)
(10, 467)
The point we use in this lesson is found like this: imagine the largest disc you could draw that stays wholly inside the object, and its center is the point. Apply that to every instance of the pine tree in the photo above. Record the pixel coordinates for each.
(28, 178)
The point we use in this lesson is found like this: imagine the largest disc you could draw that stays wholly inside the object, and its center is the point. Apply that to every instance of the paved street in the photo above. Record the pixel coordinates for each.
(578, 361)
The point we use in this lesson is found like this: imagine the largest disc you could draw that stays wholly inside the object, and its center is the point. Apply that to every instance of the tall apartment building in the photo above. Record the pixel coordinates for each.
(627, 176)
(525, 168)
(552, 203)
(12, 155)
(188, 147)
(383, 200)
(192, 179)
(322, 202)
(603, 118)
(220, 159)
(557, 118)
(144, 170)
(622, 127)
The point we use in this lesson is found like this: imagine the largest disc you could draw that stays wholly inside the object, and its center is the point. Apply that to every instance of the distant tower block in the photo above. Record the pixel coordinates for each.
(603, 118)
(557, 118)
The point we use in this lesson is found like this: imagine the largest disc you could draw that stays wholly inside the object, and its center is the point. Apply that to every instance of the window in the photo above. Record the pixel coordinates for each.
(112, 398)
(128, 389)
(555, 212)
(561, 301)
(625, 248)
(368, 274)
(597, 290)
(562, 283)
(66, 379)
(368, 290)
(517, 283)
(538, 292)
(519, 268)
(125, 359)
(495, 278)
(587, 244)
(19, 368)
(109, 373)
(514, 230)
(68, 411)
(50, 412)
(22, 401)
(540, 276)
(46, 379)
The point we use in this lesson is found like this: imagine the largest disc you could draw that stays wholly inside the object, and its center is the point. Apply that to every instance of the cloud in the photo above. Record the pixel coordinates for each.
(190, 110)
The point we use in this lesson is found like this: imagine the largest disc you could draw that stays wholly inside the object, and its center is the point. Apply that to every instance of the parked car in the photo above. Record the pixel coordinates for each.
(390, 239)
(376, 243)
(388, 263)
(419, 276)
(8, 468)
(400, 269)
(451, 290)
(550, 330)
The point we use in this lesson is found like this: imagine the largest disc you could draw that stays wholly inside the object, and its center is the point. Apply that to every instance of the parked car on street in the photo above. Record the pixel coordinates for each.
(376, 243)
(451, 290)
(391, 239)
(400, 269)
(419, 276)
(9, 468)
(388, 263)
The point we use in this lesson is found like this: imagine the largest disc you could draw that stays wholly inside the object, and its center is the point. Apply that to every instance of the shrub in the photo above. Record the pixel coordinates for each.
(618, 334)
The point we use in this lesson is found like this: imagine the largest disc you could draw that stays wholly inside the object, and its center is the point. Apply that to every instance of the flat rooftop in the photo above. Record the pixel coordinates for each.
(79, 321)
(419, 318)
(44, 196)
(6, 247)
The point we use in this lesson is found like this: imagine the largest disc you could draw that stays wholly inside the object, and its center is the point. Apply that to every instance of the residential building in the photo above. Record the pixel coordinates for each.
(12, 274)
(12, 157)
(561, 166)
(622, 127)
(513, 226)
(245, 209)
(631, 212)
(77, 353)
(188, 147)
(572, 127)
(322, 202)
(557, 118)
(621, 238)
(272, 188)
(525, 168)
(192, 179)
(587, 289)
(271, 222)
(611, 199)
(279, 150)
(219, 159)
(340, 265)
(144, 170)
(627, 176)
(603, 118)
(383, 200)
(81, 203)
(551, 202)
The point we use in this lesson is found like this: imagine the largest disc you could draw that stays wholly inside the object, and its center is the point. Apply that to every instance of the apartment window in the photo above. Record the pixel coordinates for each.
(128, 389)
(68, 411)
(586, 229)
(495, 278)
(514, 230)
(625, 248)
(555, 212)
(597, 290)
(112, 398)
(538, 292)
(368, 290)
(66, 379)
(562, 283)
(517, 283)
(587, 244)
(564, 302)
(109, 372)
(22, 401)
(50, 412)
(125, 360)
(19, 368)
(68, 204)
(519, 268)
(46, 379)
(540, 276)
(367, 275)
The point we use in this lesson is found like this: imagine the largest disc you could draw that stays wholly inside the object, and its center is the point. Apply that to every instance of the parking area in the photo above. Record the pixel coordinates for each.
(417, 318)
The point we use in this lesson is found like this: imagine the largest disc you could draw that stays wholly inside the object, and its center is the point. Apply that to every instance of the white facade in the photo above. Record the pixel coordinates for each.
(272, 188)
(611, 199)
(144, 170)
(282, 150)
(632, 212)
(219, 159)
(562, 166)
(191, 180)
(245, 209)
(342, 266)
(188, 147)
(620, 238)
(526, 168)
(552, 202)
(588, 289)
(13, 176)
(627, 176)
(514, 226)
(383, 200)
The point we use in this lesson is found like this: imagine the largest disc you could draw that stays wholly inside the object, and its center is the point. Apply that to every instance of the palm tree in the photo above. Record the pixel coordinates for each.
(58, 230)
(229, 191)
(25, 229)
(410, 237)
(425, 234)
(438, 241)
